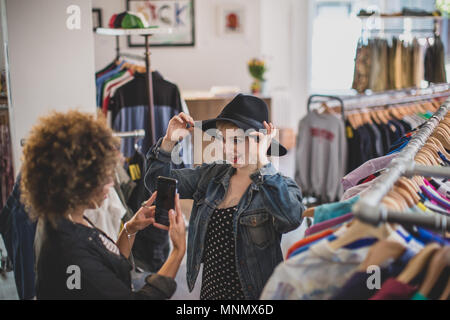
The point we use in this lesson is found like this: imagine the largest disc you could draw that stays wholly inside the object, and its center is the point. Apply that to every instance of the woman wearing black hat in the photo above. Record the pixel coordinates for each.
(241, 207)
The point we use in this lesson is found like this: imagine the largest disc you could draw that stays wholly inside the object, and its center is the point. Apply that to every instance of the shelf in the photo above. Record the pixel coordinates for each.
(403, 17)
(132, 32)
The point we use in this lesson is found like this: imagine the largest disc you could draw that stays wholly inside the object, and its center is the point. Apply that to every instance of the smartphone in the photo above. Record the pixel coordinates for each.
(165, 200)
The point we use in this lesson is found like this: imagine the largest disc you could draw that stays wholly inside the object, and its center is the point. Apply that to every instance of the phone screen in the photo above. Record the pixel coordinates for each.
(165, 200)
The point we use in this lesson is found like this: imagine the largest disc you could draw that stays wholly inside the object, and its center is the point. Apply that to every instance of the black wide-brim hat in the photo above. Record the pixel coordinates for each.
(246, 112)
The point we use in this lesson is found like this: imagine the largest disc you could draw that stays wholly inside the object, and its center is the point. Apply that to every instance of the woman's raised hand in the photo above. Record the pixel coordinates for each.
(177, 130)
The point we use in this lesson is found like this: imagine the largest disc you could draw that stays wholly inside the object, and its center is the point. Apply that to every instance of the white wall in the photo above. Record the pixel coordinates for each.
(50, 66)
(286, 42)
(213, 61)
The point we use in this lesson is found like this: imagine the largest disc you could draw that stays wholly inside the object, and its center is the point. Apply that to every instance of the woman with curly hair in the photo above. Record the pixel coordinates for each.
(68, 165)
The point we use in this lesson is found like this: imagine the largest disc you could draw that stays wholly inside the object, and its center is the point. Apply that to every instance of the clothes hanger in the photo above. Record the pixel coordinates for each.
(351, 120)
(446, 126)
(359, 119)
(381, 115)
(413, 188)
(418, 180)
(395, 113)
(366, 117)
(359, 230)
(418, 262)
(405, 195)
(432, 154)
(423, 156)
(308, 213)
(400, 200)
(446, 293)
(381, 252)
(440, 260)
(390, 203)
(374, 116)
(440, 146)
(443, 136)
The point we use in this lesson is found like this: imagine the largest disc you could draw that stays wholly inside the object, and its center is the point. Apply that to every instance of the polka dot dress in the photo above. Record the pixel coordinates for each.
(220, 278)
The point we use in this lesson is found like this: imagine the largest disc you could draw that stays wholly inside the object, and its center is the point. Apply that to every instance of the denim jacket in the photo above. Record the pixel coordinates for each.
(272, 205)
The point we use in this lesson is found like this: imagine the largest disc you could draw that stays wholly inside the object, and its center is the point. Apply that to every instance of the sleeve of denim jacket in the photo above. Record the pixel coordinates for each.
(282, 197)
(160, 164)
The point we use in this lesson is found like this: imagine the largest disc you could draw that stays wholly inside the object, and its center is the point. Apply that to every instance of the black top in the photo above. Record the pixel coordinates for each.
(220, 277)
(73, 249)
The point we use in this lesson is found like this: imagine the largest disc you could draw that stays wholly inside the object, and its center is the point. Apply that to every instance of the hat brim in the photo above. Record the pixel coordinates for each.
(275, 149)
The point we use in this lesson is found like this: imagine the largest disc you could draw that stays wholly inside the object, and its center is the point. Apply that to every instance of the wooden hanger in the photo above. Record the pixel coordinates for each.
(403, 191)
(418, 262)
(324, 108)
(422, 156)
(446, 293)
(394, 112)
(440, 260)
(418, 180)
(391, 203)
(359, 230)
(308, 213)
(366, 117)
(352, 121)
(400, 198)
(381, 252)
(374, 116)
(440, 146)
(411, 188)
(382, 116)
(432, 154)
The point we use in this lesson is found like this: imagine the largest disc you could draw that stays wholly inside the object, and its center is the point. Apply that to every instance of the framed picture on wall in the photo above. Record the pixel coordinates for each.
(97, 18)
(175, 14)
(231, 20)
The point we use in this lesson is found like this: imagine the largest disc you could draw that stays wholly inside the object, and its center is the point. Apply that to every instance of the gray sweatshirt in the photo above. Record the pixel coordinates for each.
(321, 156)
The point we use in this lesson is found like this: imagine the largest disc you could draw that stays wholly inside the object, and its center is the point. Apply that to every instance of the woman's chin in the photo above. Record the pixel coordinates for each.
(238, 165)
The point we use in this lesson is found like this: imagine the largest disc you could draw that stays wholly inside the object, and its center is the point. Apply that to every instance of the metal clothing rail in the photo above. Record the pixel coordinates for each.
(130, 134)
(125, 134)
(369, 208)
(391, 97)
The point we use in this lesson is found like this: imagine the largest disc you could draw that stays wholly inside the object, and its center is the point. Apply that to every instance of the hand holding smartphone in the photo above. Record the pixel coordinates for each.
(165, 201)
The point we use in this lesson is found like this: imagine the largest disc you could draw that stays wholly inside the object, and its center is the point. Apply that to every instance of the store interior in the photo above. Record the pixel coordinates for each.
(345, 82)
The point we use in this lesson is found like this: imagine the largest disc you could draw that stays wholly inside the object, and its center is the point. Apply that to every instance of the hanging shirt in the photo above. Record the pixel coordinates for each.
(442, 186)
(393, 289)
(328, 224)
(167, 103)
(332, 210)
(316, 274)
(117, 82)
(365, 170)
(318, 173)
(356, 287)
(101, 79)
(108, 216)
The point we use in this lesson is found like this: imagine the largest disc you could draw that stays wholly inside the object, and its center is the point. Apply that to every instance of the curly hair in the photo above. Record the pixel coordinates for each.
(67, 159)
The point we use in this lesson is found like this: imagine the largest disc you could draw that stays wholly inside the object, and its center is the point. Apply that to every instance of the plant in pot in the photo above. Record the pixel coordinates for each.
(257, 68)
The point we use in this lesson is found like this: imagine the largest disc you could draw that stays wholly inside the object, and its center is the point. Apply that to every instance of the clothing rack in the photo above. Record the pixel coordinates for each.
(146, 33)
(130, 134)
(437, 90)
(125, 134)
(369, 208)
(434, 30)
